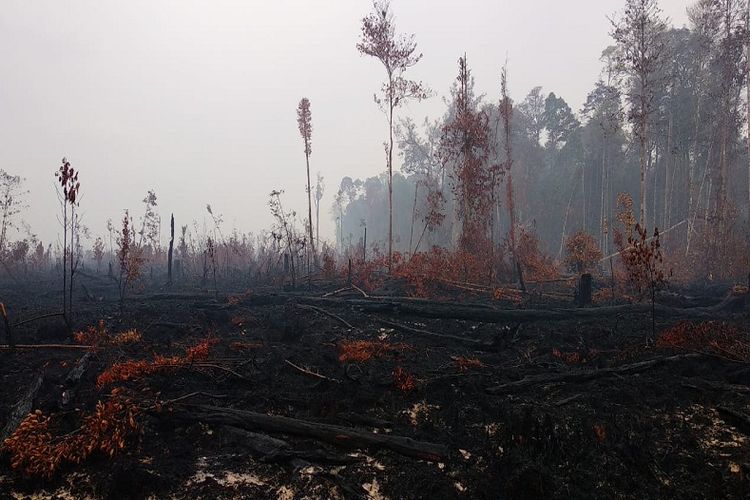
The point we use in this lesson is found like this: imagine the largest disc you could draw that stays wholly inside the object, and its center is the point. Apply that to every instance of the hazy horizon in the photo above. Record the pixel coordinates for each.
(196, 101)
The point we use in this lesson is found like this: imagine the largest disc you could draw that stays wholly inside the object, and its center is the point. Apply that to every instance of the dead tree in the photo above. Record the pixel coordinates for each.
(304, 122)
(397, 54)
(171, 249)
(639, 36)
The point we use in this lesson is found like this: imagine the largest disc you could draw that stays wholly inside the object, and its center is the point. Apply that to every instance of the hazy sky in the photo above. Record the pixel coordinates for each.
(197, 100)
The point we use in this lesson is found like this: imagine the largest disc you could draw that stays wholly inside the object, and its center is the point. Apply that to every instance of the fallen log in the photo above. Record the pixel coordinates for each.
(167, 325)
(270, 449)
(327, 313)
(486, 314)
(311, 373)
(78, 370)
(46, 346)
(735, 418)
(473, 311)
(336, 292)
(38, 318)
(334, 434)
(586, 375)
(368, 420)
(417, 331)
(21, 408)
(700, 384)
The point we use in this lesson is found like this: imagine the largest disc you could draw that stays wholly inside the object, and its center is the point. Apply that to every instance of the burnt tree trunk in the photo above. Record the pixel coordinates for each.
(171, 250)
(6, 322)
(584, 290)
(334, 434)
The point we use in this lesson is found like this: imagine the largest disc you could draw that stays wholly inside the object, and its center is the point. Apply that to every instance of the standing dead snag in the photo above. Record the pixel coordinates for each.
(211, 256)
(6, 324)
(304, 122)
(319, 190)
(397, 53)
(506, 113)
(171, 250)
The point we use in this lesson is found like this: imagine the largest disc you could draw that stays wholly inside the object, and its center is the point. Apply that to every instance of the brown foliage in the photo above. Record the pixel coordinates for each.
(466, 147)
(715, 337)
(575, 357)
(716, 254)
(68, 178)
(582, 252)
(304, 123)
(643, 261)
(396, 53)
(329, 264)
(600, 432)
(536, 265)
(234, 300)
(129, 256)
(429, 274)
(645, 266)
(625, 213)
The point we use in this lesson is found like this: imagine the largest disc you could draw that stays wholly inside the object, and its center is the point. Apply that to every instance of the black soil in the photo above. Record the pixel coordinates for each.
(662, 432)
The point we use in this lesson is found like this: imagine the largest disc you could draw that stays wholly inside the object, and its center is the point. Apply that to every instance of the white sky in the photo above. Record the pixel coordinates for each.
(197, 99)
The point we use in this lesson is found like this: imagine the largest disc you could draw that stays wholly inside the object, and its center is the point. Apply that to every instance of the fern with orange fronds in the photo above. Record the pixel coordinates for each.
(135, 369)
(403, 380)
(127, 337)
(35, 451)
(93, 335)
(99, 336)
(715, 337)
(360, 351)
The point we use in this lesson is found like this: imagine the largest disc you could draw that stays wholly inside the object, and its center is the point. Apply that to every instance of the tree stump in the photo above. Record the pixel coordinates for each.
(584, 290)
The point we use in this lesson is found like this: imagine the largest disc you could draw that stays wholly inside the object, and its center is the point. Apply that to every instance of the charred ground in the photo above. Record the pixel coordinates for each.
(526, 400)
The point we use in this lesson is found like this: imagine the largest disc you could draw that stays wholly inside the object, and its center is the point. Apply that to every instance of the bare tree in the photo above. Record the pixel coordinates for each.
(319, 190)
(397, 53)
(285, 231)
(11, 202)
(730, 64)
(639, 37)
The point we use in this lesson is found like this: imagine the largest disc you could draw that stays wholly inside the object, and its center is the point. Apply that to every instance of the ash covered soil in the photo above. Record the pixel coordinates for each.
(542, 405)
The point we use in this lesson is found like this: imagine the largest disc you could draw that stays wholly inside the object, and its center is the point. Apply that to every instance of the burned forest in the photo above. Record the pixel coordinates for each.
(375, 250)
